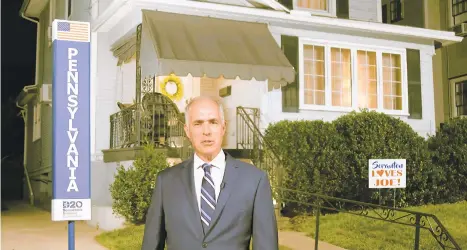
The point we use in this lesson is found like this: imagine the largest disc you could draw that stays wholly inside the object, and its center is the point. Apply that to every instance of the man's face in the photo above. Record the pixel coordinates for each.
(205, 128)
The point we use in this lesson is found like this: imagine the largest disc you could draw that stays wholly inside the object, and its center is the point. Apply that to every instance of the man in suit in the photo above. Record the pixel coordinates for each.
(211, 201)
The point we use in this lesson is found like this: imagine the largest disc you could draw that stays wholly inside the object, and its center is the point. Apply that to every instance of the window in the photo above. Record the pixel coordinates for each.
(314, 74)
(460, 95)
(367, 81)
(313, 4)
(341, 77)
(396, 10)
(36, 133)
(347, 77)
(392, 81)
(459, 7)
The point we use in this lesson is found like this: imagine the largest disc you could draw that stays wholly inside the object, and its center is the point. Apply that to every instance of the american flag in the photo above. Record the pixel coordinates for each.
(73, 31)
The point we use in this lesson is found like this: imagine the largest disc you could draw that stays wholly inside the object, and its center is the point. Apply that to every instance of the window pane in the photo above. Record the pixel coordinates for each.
(319, 83)
(319, 68)
(319, 95)
(336, 84)
(336, 99)
(361, 57)
(309, 97)
(314, 75)
(387, 88)
(308, 52)
(308, 82)
(308, 66)
(367, 79)
(387, 102)
(319, 53)
(392, 82)
(335, 55)
(372, 101)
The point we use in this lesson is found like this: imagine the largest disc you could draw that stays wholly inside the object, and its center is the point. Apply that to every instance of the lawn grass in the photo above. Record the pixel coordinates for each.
(357, 232)
(129, 238)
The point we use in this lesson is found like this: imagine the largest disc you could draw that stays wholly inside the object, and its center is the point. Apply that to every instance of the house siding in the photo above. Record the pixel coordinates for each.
(449, 62)
(415, 18)
(365, 10)
(457, 59)
(81, 10)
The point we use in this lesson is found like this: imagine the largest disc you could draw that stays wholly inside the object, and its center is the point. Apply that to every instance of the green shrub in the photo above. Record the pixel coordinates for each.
(310, 156)
(132, 189)
(372, 135)
(449, 148)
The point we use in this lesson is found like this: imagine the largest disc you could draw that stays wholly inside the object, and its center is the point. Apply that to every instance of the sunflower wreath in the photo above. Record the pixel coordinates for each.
(178, 83)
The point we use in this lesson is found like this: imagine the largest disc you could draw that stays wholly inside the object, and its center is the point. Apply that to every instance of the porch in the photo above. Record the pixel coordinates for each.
(178, 57)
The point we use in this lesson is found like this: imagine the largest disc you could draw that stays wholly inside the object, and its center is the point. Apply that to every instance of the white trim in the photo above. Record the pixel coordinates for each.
(379, 11)
(121, 8)
(452, 96)
(379, 67)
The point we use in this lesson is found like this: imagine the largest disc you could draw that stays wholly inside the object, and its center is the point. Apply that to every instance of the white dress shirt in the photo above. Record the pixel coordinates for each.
(217, 173)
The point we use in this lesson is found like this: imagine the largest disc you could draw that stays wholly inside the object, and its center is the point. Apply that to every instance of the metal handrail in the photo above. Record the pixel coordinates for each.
(250, 123)
(389, 214)
(419, 220)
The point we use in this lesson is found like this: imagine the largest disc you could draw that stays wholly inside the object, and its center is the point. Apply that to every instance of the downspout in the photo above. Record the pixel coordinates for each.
(25, 154)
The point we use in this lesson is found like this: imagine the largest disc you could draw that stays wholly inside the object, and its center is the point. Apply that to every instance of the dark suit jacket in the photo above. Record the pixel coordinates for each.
(244, 209)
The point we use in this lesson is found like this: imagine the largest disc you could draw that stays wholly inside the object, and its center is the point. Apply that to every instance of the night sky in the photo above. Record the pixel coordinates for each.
(18, 68)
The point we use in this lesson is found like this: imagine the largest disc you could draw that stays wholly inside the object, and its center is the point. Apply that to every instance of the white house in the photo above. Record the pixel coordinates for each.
(287, 59)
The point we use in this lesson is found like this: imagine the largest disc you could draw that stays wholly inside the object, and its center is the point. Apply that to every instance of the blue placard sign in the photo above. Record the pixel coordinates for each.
(71, 121)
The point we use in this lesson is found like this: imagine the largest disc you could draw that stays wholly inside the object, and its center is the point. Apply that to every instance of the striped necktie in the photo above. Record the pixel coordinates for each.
(208, 197)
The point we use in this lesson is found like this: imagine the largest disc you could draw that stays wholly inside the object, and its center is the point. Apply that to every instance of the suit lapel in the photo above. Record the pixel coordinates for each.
(229, 179)
(187, 177)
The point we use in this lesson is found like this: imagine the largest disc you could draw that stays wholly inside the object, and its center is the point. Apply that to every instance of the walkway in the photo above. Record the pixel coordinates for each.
(299, 241)
(25, 227)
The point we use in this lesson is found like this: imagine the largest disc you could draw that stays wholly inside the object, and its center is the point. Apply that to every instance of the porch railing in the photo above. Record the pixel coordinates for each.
(261, 153)
(156, 124)
(123, 128)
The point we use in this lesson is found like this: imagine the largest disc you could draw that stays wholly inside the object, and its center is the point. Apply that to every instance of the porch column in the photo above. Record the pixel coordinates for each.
(105, 92)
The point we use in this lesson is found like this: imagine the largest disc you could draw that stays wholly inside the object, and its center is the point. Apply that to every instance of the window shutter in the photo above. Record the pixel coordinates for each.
(290, 95)
(385, 13)
(414, 84)
(287, 3)
(342, 10)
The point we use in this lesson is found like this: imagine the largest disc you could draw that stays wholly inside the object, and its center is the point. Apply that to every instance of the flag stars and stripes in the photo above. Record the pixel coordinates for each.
(73, 31)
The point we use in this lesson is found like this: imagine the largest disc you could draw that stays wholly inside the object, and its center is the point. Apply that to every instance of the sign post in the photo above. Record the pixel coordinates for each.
(71, 124)
(387, 173)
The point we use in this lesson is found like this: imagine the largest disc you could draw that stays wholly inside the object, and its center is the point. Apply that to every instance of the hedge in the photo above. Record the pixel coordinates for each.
(372, 135)
(310, 154)
(332, 158)
(449, 147)
(132, 189)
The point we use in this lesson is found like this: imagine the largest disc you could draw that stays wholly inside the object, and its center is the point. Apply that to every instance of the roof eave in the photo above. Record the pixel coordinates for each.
(104, 21)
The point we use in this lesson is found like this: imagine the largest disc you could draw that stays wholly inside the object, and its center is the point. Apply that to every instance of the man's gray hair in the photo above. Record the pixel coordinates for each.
(198, 98)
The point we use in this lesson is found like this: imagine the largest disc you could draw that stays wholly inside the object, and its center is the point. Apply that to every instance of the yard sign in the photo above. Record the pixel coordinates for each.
(387, 173)
(71, 121)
